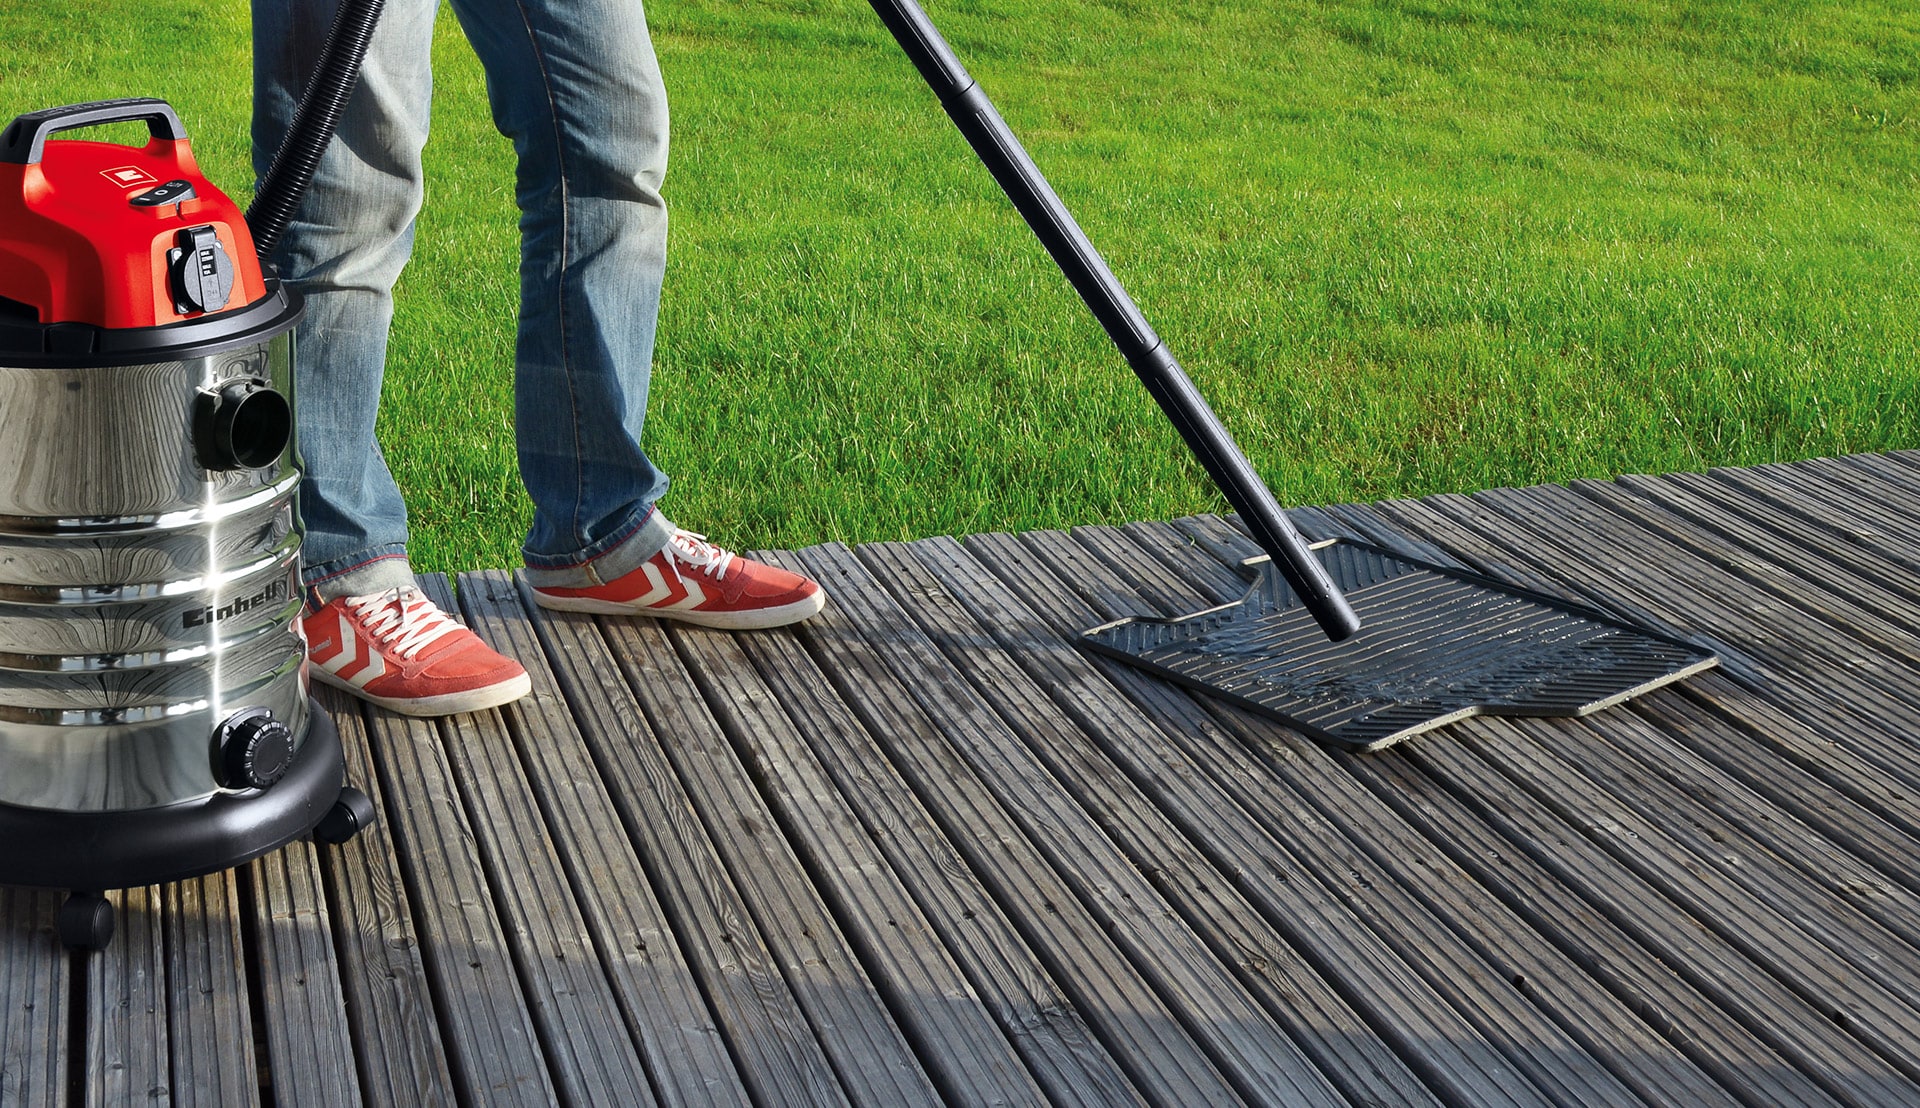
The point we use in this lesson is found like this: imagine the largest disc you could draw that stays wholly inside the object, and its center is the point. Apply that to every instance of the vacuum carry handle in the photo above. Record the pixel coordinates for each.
(1165, 381)
(24, 141)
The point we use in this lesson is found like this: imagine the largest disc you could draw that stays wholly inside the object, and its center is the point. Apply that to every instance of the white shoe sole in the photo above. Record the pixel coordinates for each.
(751, 619)
(446, 704)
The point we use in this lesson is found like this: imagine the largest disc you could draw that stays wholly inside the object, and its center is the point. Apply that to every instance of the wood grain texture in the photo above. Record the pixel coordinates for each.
(127, 1038)
(35, 984)
(211, 1034)
(493, 1048)
(869, 1054)
(829, 749)
(934, 1004)
(401, 1060)
(310, 1052)
(1304, 795)
(668, 1026)
(992, 812)
(780, 1059)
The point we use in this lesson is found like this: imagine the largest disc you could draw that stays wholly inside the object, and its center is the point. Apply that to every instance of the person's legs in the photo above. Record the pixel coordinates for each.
(368, 629)
(343, 251)
(575, 85)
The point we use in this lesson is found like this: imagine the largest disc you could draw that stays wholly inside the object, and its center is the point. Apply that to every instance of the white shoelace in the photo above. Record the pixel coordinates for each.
(697, 552)
(402, 618)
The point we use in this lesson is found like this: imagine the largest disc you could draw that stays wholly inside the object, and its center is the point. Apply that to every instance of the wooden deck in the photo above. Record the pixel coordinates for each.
(925, 850)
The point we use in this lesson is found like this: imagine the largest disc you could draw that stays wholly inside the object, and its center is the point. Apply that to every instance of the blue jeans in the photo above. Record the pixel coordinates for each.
(576, 87)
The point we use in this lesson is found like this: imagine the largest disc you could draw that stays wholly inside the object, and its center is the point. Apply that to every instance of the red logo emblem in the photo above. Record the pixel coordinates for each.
(129, 176)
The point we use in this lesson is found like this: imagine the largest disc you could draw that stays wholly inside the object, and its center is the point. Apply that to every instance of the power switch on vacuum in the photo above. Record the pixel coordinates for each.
(199, 272)
(252, 750)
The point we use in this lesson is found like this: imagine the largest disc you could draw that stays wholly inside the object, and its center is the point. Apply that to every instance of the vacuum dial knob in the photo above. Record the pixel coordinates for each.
(252, 750)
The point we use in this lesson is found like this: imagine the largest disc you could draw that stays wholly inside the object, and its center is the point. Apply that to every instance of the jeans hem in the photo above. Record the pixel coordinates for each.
(608, 560)
(357, 575)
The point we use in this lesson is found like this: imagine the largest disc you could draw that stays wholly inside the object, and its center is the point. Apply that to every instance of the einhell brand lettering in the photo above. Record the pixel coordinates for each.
(240, 606)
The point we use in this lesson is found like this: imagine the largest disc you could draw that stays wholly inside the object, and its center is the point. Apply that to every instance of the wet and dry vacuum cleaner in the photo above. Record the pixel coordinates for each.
(155, 718)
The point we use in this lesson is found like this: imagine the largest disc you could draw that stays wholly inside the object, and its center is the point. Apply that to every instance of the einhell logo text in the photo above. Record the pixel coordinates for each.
(204, 616)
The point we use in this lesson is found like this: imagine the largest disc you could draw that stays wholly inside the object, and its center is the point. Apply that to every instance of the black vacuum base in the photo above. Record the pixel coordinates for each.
(150, 846)
(1436, 645)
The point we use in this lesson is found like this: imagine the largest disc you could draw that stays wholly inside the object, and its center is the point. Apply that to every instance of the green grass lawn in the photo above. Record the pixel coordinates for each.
(1403, 247)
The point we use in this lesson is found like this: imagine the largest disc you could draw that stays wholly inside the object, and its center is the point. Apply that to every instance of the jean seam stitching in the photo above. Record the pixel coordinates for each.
(566, 260)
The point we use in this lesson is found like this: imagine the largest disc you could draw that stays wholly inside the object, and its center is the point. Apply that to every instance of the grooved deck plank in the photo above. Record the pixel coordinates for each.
(34, 989)
(126, 1014)
(780, 1059)
(1782, 730)
(400, 1057)
(1305, 794)
(211, 1037)
(1249, 1045)
(309, 1050)
(1741, 970)
(1777, 665)
(860, 1037)
(830, 749)
(581, 1033)
(952, 1033)
(995, 811)
(493, 1049)
(1296, 900)
(666, 1017)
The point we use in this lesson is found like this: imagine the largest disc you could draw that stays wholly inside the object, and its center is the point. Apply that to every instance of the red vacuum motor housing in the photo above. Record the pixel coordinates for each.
(101, 242)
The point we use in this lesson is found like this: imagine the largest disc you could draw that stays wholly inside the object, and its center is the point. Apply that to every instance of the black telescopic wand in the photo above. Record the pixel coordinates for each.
(1166, 382)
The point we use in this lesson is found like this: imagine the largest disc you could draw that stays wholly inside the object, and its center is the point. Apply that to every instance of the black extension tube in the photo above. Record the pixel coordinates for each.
(1152, 362)
(313, 123)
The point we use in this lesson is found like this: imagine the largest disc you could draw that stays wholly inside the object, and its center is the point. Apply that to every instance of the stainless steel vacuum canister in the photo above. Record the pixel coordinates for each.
(154, 715)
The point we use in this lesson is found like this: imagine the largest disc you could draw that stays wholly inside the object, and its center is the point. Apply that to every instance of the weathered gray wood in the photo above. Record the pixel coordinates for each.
(938, 1011)
(1840, 509)
(582, 1035)
(493, 1050)
(1698, 1025)
(1815, 782)
(389, 1004)
(830, 752)
(1780, 698)
(1306, 795)
(1816, 779)
(1739, 970)
(666, 1019)
(1892, 472)
(1777, 663)
(126, 1014)
(1821, 587)
(877, 662)
(873, 1060)
(1870, 921)
(211, 1035)
(779, 1058)
(34, 987)
(1041, 745)
(309, 1050)
(1815, 552)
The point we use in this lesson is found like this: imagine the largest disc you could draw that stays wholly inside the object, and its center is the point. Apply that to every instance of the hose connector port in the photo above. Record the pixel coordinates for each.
(244, 424)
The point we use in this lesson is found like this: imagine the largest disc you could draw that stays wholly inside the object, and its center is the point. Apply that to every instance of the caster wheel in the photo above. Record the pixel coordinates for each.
(350, 815)
(85, 922)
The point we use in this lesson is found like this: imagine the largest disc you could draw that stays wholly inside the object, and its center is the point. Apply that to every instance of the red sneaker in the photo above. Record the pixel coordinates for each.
(697, 582)
(400, 651)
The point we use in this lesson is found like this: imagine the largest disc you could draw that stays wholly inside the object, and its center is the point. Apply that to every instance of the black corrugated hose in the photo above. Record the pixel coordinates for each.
(313, 123)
